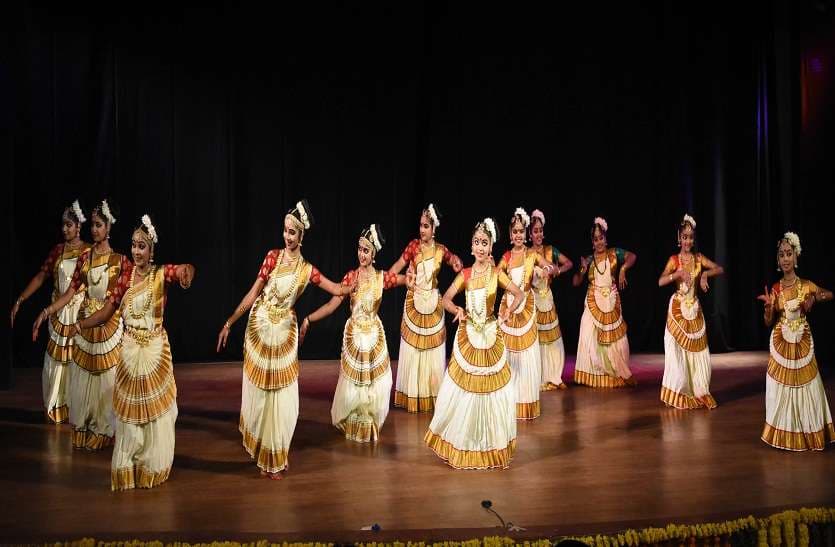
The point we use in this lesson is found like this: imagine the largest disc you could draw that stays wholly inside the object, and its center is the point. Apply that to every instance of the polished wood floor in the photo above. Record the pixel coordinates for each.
(595, 461)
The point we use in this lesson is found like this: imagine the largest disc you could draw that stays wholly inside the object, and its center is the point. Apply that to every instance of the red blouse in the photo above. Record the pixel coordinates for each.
(48, 266)
(270, 262)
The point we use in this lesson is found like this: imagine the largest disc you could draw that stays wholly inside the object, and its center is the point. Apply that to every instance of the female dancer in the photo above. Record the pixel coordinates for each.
(145, 396)
(474, 426)
(797, 415)
(60, 264)
(361, 401)
(270, 390)
(686, 382)
(520, 330)
(603, 349)
(551, 347)
(96, 349)
(422, 358)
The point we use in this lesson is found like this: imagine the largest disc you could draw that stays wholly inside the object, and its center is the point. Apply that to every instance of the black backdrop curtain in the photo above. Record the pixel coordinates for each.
(214, 121)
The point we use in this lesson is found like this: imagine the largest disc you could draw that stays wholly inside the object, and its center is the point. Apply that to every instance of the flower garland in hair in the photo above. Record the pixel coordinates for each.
(76, 209)
(521, 213)
(600, 221)
(540, 215)
(491, 229)
(303, 215)
(433, 215)
(794, 241)
(690, 220)
(152, 232)
(375, 239)
(105, 210)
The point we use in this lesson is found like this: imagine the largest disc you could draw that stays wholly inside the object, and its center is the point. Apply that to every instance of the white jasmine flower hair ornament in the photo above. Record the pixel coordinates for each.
(690, 220)
(538, 214)
(152, 232)
(521, 213)
(490, 226)
(794, 241)
(374, 238)
(76, 209)
(433, 216)
(105, 210)
(303, 215)
(600, 221)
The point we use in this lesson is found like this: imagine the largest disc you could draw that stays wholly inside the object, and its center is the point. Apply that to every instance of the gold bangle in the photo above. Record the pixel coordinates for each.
(227, 326)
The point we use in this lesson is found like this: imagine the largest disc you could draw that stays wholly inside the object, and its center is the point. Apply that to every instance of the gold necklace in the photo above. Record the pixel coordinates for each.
(480, 273)
(605, 259)
(149, 300)
(92, 274)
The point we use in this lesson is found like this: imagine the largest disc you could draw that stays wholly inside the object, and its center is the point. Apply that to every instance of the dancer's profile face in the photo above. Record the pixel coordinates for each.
(517, 233)
(98, 228)
(537, 233)
(292, 235)
(365, 255)
(427, 229)
(69, 229)
(598, 240)
(140, 249)
(786, 257)
(686, 238)
(481, 246)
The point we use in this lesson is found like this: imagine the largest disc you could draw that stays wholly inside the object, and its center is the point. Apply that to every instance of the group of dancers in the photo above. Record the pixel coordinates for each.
(108, 367)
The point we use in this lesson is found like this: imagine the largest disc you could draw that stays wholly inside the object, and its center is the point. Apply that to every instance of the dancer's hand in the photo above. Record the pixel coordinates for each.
(185, 275)
(303, 330)
(703, 283)
(622, 279)
(504, 315)
(410, 278)
(584, 264)
(767, 298)
(460, 315)
(684, 276)
(808, 302)
(222, 336)
(43, 316)
(15, 309)
(350, 287)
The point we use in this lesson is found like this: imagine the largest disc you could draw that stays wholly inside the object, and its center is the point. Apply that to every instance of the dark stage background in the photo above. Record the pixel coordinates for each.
(215, 121)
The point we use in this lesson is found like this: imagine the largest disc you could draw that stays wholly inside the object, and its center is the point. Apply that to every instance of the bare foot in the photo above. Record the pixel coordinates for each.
(631, 381)
(562, 386)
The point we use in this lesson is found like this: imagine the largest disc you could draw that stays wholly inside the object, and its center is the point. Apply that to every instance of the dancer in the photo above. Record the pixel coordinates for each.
(551, 347)
(145, 395)
(270, 390)
(361, 400)
(797, 415)
(603, 349)
(686, 382)
(474, 426)
(97, 348)
(521, 334)
(422, 357)
(60, 264)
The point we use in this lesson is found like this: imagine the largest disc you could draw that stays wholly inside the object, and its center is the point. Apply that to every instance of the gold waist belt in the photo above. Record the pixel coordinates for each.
(142, 337)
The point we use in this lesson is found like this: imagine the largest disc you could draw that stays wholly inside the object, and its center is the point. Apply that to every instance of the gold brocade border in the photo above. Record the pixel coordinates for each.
(414, 404)
(421, 341)
(690, 326)
(423, 320)
(518, 320)
(128, 478)
(62, 354)
(470, 459)
(792, 440)
(89, 440)
(266, 350)
(270, 379)
(97, 363)
(367, 375)
(521, 343)
(58, 415)
(60, 328)
(687, 344)
(792, 351)
(546, 317)
(528, 411)
(361, 432)
(611, 336)
(480, 357)
(102, 333)
(685, 402)
(139, 399)
(792, 376)
(269, 461)
(597, 380)
(478, 383)
(604, 318)
(550, 336)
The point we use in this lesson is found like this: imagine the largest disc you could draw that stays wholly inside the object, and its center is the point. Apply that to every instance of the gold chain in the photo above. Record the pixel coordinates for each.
(149, 300)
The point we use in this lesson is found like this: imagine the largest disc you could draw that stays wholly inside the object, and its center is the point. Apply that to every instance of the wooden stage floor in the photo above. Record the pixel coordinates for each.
(596, 461)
